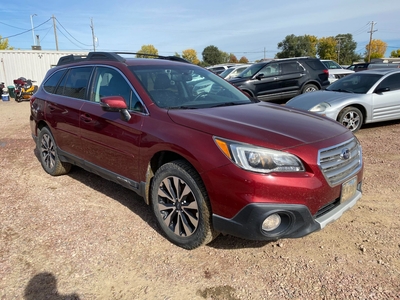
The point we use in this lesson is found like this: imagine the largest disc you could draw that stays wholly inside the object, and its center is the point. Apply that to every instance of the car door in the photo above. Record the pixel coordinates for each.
(62, 111)
(267, 84)
(292, 77)
(109, 142)
(386, 104)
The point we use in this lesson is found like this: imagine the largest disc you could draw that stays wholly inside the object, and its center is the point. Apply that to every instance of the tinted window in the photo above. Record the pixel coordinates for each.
(314, 64)
(359, 83)
(392, 82)
(51, 84)
(75, 83)
(291, 67)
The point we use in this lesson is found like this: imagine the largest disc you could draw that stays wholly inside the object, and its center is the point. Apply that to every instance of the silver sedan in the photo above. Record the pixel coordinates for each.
(359, 98)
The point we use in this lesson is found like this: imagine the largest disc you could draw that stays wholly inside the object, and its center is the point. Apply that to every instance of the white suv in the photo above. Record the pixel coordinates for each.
(335, 70)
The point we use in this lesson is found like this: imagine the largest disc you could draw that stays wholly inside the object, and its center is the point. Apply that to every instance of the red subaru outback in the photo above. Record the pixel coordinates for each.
(203, 155)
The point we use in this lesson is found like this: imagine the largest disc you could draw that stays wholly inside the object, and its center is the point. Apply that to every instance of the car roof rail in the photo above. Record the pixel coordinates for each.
(113, 56)
(174, 58)
(70, 58)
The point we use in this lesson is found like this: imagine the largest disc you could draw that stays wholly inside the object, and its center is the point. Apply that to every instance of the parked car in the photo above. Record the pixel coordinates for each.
(282, 79)
(210, 163)
(218, 69)
(368, 66)
(336, 71)
(363, 97)
(233, 71)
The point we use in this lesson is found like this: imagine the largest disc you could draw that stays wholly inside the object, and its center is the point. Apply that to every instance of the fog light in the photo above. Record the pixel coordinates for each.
(271, 222)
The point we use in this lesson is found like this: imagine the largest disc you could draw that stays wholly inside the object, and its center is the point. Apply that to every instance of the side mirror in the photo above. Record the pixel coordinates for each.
(382, 89)
(259, 76)
(115, 104)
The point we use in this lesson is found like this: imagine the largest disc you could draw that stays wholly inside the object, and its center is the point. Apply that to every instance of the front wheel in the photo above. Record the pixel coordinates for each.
(351, 118)
(180, 204)
(49, 159)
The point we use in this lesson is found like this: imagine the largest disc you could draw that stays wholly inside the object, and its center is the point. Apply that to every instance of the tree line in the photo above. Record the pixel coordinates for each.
(340, 48)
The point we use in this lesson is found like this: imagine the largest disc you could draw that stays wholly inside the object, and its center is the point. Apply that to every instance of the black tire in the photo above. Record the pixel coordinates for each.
(48, 156)
(181, 206)
(351, 118)
(308, 88)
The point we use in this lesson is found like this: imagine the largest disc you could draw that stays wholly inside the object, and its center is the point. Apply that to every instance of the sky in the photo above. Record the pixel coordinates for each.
(245, 28)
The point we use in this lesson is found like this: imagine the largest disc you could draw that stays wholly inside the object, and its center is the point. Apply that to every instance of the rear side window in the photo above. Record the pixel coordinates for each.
(315, 64)
(392, 82)
(75, 83)
(51, 83)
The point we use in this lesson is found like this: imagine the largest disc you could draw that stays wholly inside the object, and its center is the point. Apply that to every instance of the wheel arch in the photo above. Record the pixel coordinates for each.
(159, 159)
(314, 82)
(359, 107)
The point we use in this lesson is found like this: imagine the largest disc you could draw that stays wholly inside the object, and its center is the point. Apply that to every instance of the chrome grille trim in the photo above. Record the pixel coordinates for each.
(335, 169)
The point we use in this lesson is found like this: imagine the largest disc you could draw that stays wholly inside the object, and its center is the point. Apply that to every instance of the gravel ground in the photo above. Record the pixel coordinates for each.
(81, 237)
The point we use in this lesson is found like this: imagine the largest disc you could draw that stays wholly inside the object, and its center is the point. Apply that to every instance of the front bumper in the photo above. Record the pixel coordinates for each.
(297, 220)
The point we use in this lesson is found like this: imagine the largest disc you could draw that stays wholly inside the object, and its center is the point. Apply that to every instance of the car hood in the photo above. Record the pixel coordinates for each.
(340, 71)
(309, 100)
(264, 124)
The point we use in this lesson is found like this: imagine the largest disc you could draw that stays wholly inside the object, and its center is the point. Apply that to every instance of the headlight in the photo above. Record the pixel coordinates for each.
(320, 107)
(257, 159)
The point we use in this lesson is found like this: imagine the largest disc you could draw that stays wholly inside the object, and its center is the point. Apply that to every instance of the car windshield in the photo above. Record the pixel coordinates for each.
(330, 64)
(359, 83)
(186, 86)
(251, 71)
(226, 72)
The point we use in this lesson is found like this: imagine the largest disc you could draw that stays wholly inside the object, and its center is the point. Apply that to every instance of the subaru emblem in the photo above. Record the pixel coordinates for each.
(345, 154)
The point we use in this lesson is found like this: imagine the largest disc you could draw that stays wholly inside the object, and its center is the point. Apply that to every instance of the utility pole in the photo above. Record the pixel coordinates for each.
(55, 31)
(33, 29)
(93, 37)
(338, 54)
(370, 40)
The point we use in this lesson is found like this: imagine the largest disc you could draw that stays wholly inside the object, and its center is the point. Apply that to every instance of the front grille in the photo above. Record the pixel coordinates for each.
(340, 162)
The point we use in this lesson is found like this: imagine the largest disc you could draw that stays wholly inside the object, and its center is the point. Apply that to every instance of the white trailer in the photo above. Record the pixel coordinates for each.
(31, 64)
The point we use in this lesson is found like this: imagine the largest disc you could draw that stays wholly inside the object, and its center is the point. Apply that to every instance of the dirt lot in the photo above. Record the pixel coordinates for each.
(81, 237)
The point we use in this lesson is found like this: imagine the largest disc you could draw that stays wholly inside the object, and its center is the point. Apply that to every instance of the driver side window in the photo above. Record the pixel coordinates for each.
(270, 70)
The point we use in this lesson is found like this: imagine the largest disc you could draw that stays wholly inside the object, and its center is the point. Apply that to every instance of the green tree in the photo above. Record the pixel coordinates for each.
(190, 55)
(4, 44)
(395, 53)
(243, 60)
(295, 46)
(375, 49)
(346, 48)
(326, 48)
(212, 56)
(147, 49)
(225, 57)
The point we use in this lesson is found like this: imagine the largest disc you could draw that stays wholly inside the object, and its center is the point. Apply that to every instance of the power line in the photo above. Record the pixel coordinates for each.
(10, 36)
(70, 34)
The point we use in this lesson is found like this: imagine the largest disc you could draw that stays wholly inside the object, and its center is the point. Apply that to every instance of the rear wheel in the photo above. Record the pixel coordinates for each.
(180, 204)
(351, 118)
(49, 159)
(309, 88)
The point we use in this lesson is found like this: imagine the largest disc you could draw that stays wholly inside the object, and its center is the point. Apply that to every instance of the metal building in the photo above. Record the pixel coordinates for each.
(31, 64)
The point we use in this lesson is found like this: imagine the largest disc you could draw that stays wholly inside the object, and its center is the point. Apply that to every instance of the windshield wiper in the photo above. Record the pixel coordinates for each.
(341, 90)
(230, 103)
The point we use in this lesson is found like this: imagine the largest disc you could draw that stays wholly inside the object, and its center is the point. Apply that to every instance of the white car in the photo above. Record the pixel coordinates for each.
(363, 97)
(336, 71)
(233, 71)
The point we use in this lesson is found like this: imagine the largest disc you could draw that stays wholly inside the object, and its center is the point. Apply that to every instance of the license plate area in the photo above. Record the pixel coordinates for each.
(348, 189)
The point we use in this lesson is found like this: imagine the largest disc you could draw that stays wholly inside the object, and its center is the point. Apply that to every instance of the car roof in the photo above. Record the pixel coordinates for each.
(382, 71)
